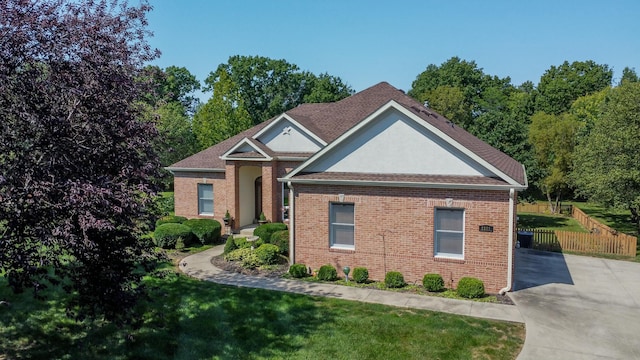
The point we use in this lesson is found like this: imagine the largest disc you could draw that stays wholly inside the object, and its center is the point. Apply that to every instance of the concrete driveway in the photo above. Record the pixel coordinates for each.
(578, 307)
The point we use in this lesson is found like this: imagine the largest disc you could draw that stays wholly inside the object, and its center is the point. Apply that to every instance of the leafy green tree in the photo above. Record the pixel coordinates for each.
(587, 110)
(450, 102)
(326, 88)
(606, 166)
(175, 139)
(77, 167)
(629, 75)
(560, 85)
(553, 139)
(269, 87)
(173, 84)
(223, 116)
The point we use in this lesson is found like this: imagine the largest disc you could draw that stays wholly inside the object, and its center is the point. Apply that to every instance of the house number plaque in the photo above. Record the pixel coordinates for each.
(486, 228)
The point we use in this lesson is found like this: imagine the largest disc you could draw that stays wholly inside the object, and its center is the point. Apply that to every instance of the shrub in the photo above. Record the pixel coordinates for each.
(281, 240)
(170, 219)
(360, 275)
(268, 254)
(230, 245)
(166, 235)
(265, 231)
(470, 288)
(165, 203)
(327, 273)
(206, 230)
(394, 279)
(180, 244)
(241, 243)
(246, 256)
(433, 282)
(298, 270)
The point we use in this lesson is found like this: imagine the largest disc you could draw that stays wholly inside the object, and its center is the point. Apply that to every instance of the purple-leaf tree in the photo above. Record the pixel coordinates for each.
(76, 165)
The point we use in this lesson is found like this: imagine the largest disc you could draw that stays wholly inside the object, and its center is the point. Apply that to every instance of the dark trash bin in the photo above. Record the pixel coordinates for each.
(526, 239)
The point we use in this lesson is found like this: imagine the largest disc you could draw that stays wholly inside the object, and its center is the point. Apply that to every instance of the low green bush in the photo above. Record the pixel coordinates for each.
(166, 235)
(360, 275)
(206, 230)
(433, 282)
(281, 240)
(470, 288)
(241, 242)
(298, 270)
(327, 273)
(170, 219)
(180, 244)
(394, 279)
(245, 256)
(265, 231)
(268, 254)
(230, 245)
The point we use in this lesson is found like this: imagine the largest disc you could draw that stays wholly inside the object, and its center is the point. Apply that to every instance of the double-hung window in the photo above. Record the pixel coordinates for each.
(205, 199)
(341, 229)
(449, 233)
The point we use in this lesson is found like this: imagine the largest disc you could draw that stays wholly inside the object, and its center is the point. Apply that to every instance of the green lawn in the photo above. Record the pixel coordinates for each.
(191, 319)
(614, 218)
(549, 222)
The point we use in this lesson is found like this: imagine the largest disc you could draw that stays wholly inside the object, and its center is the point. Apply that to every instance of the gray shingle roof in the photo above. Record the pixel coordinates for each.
(330, 120)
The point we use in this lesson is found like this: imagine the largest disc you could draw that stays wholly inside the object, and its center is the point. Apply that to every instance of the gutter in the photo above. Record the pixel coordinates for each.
(200, 170)
(510, 246)
(408, 184)
(292, 231)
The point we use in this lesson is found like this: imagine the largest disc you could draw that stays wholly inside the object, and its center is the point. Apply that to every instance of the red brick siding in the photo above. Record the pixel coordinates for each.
(394, 232)
(186, 193)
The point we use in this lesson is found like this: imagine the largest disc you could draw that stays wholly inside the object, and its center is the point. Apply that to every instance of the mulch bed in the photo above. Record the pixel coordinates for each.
(277, 272)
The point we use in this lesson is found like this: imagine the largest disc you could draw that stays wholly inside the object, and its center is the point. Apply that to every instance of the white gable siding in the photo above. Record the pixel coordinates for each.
(245, 148)
(395, 144)
(287, 137)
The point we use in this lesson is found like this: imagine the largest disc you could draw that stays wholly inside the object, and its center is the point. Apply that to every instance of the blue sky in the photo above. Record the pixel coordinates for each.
(365, 42)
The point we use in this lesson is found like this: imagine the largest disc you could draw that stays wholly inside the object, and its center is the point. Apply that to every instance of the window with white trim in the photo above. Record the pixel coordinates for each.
(341, 228)
(205, 199)
(449, 233)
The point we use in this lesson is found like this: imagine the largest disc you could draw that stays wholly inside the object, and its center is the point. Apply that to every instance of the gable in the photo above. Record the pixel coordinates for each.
(393, 143)
(286, 135)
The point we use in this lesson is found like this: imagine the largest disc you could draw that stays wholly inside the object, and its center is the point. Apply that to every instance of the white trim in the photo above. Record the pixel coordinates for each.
(290, 119)
(409, 184)
(510, 244)
(179, 169)
(291, 158)
(246, 141)
(292, 228)
(392, 104)
(201, 200)
(332, 244)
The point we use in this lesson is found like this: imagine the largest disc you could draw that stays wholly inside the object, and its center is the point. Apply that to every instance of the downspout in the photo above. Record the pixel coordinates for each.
(292, 248)
(510, 248)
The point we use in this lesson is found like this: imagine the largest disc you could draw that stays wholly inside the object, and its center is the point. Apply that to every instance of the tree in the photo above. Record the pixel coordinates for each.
(173, 84)
(326, 88)
(553, 139)
(223, 116)
(269, 87)
(629, 75)
(606, 167)
(76, 165)
(587, 109)
(560, 86)
(175, 140)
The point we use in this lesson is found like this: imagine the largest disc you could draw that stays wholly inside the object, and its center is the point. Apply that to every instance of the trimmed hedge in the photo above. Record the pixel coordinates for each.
(470, 288)
(265, 231)
(268, 254)
(281, 240)
(298, 270)
(433, 282)
(230, 245)
(206, 230)
(327, 273)
(166, 235)
(246, 256)
(394, 279)
(360, 275)
(170, 219)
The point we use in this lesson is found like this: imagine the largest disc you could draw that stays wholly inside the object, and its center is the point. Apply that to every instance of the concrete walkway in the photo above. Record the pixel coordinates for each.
(199, 266)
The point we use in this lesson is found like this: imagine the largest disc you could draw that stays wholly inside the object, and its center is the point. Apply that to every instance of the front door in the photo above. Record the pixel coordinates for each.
(258, 197)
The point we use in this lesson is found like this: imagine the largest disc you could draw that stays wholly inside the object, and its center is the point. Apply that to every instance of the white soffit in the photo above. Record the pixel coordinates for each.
(243, 146)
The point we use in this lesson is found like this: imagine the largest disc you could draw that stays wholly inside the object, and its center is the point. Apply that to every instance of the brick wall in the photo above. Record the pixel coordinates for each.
(394, 231)
(186, 194)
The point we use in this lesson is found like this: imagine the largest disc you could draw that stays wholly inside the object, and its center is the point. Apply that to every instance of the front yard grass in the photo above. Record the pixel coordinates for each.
(191, 319)
(549, 222)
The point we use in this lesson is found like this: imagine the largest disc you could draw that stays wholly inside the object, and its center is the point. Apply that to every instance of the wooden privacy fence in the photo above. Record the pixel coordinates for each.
(588, 243)
(539, 208)
(592, 224)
